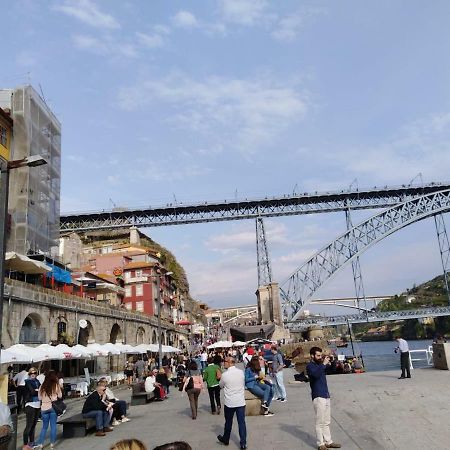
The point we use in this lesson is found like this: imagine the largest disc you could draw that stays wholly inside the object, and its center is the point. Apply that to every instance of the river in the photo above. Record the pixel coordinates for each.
(379, 356)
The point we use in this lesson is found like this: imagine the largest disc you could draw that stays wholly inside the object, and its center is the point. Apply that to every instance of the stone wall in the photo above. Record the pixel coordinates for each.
(45, 308)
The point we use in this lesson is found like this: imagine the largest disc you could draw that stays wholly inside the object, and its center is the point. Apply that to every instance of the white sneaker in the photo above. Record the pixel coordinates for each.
(115, 423)
(125, 419)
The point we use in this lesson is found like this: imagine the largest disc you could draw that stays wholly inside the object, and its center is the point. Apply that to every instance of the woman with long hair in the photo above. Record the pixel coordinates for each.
(48, 393)
(193, 386)
(255, 382)
(128, 444)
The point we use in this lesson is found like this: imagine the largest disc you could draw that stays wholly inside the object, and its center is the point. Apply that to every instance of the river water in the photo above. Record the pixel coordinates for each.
(380, 355)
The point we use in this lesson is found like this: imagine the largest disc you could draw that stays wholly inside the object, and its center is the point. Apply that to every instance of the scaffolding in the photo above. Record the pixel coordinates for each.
(34, 195)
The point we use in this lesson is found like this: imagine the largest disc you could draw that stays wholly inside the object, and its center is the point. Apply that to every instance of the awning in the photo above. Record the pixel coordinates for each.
(21, 263)
(183, 322)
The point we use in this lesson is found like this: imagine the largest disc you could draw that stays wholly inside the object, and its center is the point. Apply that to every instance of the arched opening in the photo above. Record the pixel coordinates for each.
(86, 335)
(32, 330)
(140, 336)
(115, 336)
(154, 338)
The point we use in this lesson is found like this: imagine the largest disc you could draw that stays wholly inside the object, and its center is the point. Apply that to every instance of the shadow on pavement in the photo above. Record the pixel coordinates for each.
(297, 432)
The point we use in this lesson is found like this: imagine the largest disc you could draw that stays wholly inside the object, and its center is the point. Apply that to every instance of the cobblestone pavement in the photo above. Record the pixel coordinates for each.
(369, 411)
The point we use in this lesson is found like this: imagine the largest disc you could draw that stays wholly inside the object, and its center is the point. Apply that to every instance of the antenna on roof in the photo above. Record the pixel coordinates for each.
(353, 184)
(294, 191)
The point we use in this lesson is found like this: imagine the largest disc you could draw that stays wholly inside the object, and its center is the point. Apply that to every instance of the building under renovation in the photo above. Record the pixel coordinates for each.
(34, 196)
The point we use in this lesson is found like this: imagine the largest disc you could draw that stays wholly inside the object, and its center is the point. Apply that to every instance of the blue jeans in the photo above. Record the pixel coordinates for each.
(101, 417)
(240, 415)
(48, 417)
(262, 391)
(280, 390)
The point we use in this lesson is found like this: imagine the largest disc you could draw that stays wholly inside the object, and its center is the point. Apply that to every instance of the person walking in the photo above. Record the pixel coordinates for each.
(49, 392)
(32, 408)
(212, 375)
(232, 382)
(19, 381)
(193, 386)
(403, 348)
(277, 374)
(321, 398)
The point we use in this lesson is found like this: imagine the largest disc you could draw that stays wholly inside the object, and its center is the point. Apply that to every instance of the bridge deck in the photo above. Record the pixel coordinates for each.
(306, 203)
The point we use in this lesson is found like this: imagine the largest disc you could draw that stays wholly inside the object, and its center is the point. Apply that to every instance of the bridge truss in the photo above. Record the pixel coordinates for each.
(307, 203)
(327, 321)
(297, 290)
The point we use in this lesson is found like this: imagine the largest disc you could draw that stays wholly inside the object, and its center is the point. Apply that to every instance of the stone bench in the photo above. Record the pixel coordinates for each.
(141, 398)
(76, 426)
(252, 404)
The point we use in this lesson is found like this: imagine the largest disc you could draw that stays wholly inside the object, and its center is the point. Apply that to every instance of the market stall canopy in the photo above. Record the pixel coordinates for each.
(70, 352)
(220, 344)
(97, 349)
(21, 263)
(83, 351)
(170, 349)
(239, 344)
(127, 348)
(112, 348)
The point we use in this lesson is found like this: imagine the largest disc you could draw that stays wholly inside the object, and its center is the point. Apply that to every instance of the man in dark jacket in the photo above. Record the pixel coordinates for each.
(97, 407)
(320, 397)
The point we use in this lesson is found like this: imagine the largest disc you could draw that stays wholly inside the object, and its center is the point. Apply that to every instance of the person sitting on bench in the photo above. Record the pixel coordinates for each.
(119, 406)
(97, 408)
(151, 385)
(255, 382)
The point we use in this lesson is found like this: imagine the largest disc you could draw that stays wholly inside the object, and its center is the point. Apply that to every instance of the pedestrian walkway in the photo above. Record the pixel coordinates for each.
(372, 411)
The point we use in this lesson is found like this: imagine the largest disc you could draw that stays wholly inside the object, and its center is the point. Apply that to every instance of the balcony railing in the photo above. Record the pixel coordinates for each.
(32, 336)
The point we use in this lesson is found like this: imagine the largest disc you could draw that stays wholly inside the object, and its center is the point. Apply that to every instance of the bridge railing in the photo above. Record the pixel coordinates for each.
(426, 352)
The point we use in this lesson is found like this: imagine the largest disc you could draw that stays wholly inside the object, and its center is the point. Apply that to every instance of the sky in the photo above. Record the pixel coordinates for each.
(187, 101)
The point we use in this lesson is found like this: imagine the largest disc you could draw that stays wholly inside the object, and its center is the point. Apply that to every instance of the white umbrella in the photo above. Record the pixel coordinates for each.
(14, 356)
(111, 348)
(239, 344)
(69, 352)
(46, 352)
(97, 349)
(127, 348)
(144, 348)
(170, 349)
(35, 353)
(83, 351)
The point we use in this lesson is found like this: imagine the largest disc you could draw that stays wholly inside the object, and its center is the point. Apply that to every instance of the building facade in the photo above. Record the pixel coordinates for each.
(6, 129)
(34, 194)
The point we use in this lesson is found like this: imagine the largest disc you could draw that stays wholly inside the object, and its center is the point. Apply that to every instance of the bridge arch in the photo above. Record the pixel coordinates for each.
(297, 290)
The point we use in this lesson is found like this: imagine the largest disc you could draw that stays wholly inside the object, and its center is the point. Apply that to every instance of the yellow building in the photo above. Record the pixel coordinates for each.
(6, 125)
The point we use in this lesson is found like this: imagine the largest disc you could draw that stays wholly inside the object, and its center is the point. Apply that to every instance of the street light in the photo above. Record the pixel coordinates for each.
(158, 296)
(5, 167)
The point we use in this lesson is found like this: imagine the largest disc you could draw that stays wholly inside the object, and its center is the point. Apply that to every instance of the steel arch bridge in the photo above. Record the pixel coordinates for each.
(297, 290)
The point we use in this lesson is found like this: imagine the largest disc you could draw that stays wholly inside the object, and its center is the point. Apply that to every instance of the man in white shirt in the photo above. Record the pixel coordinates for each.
(151, 385)
(203, 360)
(403, 348)
(233, 384)
(19, 380)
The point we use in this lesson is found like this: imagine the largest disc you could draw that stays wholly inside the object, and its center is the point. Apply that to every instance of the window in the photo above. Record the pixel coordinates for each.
(128, 292)
(139, 290)
(139, 273)
(3, 136)
(127, 275)
(129, 306)
(140, 306)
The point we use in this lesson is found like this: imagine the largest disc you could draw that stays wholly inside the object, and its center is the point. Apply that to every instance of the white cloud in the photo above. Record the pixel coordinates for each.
(423, 146)
(185, 19)
(87, 12)
(150, 40)
(289, 26)
(256, 109)
(106, 46)
(244, 12)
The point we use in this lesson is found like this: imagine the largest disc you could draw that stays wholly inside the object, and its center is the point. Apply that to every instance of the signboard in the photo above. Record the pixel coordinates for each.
(117, 271)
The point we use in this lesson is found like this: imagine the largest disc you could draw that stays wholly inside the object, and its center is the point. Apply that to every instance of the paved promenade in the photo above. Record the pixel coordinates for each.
(369, 411)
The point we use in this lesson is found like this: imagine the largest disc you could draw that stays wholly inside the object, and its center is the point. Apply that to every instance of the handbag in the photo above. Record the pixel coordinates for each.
(59, 407)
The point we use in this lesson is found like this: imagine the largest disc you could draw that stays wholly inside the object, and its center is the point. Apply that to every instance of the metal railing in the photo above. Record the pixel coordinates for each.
(428, 353)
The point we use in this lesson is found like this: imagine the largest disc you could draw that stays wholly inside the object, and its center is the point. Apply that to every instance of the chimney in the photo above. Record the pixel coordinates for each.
(134, 236)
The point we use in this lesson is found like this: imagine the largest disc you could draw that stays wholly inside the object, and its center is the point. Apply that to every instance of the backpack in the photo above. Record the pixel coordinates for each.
(198, 382)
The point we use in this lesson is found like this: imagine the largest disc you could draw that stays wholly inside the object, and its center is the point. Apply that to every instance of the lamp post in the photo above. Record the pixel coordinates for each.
(5, 167)
(158, 296)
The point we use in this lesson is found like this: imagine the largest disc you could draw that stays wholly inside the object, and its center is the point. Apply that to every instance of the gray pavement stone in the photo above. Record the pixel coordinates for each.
(370, 411)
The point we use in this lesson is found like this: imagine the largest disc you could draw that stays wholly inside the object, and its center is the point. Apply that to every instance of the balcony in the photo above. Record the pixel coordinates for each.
(142, 279)
(32, 336)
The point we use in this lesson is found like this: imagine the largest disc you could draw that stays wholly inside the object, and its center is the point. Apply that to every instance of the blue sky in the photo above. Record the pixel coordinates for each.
(209, 100)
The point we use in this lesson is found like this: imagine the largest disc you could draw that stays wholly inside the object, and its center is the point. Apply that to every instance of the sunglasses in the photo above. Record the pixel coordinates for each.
(33, 373)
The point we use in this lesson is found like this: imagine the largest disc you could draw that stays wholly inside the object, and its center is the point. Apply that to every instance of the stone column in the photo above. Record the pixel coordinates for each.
(269, 307)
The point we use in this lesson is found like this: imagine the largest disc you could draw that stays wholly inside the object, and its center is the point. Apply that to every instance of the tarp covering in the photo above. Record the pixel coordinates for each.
(61, 275)
(21, 263)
